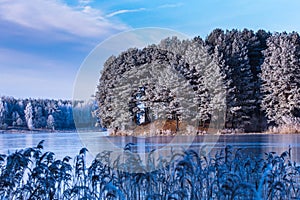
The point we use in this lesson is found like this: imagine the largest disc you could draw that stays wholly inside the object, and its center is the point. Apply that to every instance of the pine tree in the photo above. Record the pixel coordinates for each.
(215, 91)
(242, 78)
(239, 82)
(51, 122)
(147, 77)
(15, 117)
(281, 76)
(2, 115)
(206, 80)
(174, 45)
(29, 116)
(39, 119)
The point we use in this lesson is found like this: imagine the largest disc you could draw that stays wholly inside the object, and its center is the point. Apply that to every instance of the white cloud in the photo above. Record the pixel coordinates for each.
(171, 5)
(55, 16)
(125, 11)
(84, 2)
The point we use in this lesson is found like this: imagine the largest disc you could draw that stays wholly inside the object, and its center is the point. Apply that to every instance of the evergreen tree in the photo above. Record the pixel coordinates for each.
(174, 45)
(2, 115)
(281, 76)
(51, 122)
(40, 120)
(206, 81)
(230, 51)
(256, 44)
(15, 117)
(13, 112)
(29, 116)
(148, 77)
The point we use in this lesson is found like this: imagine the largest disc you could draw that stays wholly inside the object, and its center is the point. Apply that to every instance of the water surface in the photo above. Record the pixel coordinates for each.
(63, 144)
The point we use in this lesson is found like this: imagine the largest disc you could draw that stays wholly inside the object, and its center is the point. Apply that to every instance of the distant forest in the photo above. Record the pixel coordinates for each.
(258, 74)
(35, 114)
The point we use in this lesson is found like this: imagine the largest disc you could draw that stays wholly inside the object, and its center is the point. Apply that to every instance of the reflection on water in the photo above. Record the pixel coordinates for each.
(63, 144)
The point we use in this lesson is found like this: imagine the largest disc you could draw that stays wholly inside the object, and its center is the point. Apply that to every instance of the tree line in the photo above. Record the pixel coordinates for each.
(253, 76)
(33, 114)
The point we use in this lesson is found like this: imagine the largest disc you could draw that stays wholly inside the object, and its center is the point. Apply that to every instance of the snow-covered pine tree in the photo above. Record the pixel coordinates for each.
(29, 116)
(82, 114)
(174, 45)
(234, 65)
(69, 116)
(19, 122)
(281, 76)
(2, 114)
(205, 80)
(40, 120)
(219, 47)
(15, 116)
(216, 87)
(51, 122)
(140, 77)
(256, 43)
(111, 75)
(245, 99)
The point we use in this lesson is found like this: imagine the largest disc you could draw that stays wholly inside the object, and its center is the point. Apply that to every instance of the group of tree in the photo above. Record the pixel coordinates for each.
(250, 79)
(35, 114)
(242, 80)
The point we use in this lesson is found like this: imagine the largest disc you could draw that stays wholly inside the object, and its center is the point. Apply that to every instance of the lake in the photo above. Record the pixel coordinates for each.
(63, 144)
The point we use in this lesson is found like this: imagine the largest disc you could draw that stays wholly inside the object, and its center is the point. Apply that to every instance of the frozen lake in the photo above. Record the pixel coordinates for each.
(63, 144)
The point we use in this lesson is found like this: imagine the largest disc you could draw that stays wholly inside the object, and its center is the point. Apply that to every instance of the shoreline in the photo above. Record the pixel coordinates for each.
(26, 131)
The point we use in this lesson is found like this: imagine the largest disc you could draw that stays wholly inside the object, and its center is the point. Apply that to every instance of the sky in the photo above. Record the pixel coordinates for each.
(43, 43)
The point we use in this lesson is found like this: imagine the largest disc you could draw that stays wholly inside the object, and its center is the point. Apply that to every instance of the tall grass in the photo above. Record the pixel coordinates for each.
(228, 174)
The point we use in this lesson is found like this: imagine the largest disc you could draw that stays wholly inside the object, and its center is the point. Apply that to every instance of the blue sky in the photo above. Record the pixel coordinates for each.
(44, 42)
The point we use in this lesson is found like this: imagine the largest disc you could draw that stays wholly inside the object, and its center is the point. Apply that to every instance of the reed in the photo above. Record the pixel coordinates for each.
(230, 173)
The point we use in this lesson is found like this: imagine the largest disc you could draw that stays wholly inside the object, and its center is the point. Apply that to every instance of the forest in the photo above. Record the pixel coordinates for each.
(252, 77)
(43, 114)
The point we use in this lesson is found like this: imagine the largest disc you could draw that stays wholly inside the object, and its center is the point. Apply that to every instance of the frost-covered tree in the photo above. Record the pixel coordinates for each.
(243, 89)
(281, 76)
(40, 121)
(215, 84)
(256, 44)
(68, 110)
(15, 117)
(82, 113)
(149, 77)
(227, 62)
(13, 112)
(29, 116)
(19, 122)
(230, 51)
(207, 81)
(51, 122)
(174, 45)
(2, 114)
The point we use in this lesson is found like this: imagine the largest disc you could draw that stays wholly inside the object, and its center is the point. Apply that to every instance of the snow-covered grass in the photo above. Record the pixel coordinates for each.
(284, 129)
(227, 174)
(289, 126)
